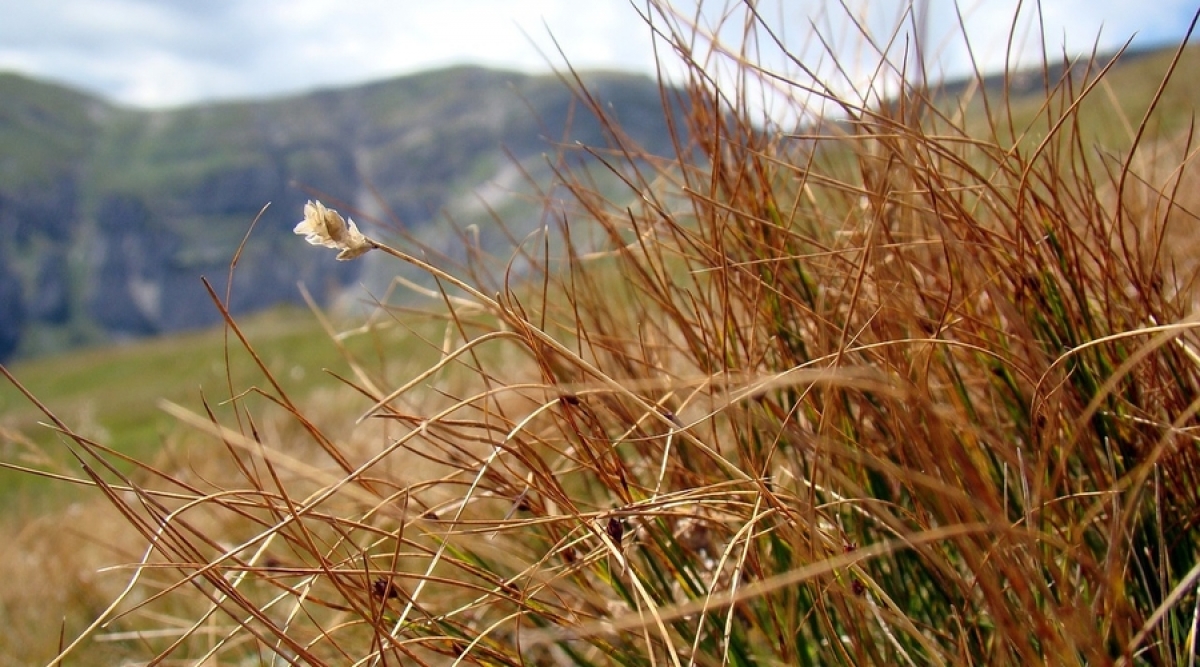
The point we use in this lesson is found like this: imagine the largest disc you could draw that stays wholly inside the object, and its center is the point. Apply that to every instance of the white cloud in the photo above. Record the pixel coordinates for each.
(156, 52)
(151, 53)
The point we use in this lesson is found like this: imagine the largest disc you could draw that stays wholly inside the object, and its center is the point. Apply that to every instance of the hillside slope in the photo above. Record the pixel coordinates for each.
(109, 215)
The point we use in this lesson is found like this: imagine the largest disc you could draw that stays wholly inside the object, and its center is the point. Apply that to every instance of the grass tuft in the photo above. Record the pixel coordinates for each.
(914, 383)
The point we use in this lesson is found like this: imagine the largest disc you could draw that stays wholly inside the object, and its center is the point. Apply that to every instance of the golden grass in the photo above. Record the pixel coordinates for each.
(890, 392)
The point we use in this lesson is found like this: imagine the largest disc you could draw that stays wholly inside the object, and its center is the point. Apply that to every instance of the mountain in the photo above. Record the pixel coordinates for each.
(109, 216)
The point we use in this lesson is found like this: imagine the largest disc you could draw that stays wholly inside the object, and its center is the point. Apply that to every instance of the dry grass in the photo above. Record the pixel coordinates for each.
(890, 392)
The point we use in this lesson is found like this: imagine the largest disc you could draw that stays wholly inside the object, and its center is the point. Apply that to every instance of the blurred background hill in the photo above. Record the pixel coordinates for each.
(109, 215)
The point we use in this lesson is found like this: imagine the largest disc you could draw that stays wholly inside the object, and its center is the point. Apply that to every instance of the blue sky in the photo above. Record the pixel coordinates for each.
(155, 53)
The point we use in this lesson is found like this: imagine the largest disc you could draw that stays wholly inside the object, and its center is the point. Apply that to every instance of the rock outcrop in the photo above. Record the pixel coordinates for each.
(109, 216)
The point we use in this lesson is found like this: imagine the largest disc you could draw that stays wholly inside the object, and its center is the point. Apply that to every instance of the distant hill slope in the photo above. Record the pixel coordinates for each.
(110, 215)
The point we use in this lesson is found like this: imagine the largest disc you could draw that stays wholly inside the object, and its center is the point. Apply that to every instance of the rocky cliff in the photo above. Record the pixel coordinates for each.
(110, 215)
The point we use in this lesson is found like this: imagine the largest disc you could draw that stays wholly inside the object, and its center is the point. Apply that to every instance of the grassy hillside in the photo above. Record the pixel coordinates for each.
(44, 129)
(109, 215)
(112, 393)
(918, 388)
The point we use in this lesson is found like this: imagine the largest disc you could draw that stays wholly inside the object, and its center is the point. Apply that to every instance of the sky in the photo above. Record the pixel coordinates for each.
(162, 53)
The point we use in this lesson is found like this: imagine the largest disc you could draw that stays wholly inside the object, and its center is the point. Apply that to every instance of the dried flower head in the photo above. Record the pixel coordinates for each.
(615, 530)
(325, 227)
(384, 589)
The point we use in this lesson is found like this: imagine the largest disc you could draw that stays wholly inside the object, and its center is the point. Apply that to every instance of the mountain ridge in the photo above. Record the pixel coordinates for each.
(109, 215)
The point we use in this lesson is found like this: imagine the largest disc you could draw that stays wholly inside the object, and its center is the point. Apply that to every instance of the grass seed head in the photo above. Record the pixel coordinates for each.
(323, 226)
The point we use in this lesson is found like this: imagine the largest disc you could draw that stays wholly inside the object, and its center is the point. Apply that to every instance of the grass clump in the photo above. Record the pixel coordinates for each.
(889, 389)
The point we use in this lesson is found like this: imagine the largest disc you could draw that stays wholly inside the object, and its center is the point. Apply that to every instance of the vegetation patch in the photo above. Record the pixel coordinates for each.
(907, 384)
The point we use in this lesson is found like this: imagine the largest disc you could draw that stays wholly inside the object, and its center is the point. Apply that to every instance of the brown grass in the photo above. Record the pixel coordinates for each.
(884, 391)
